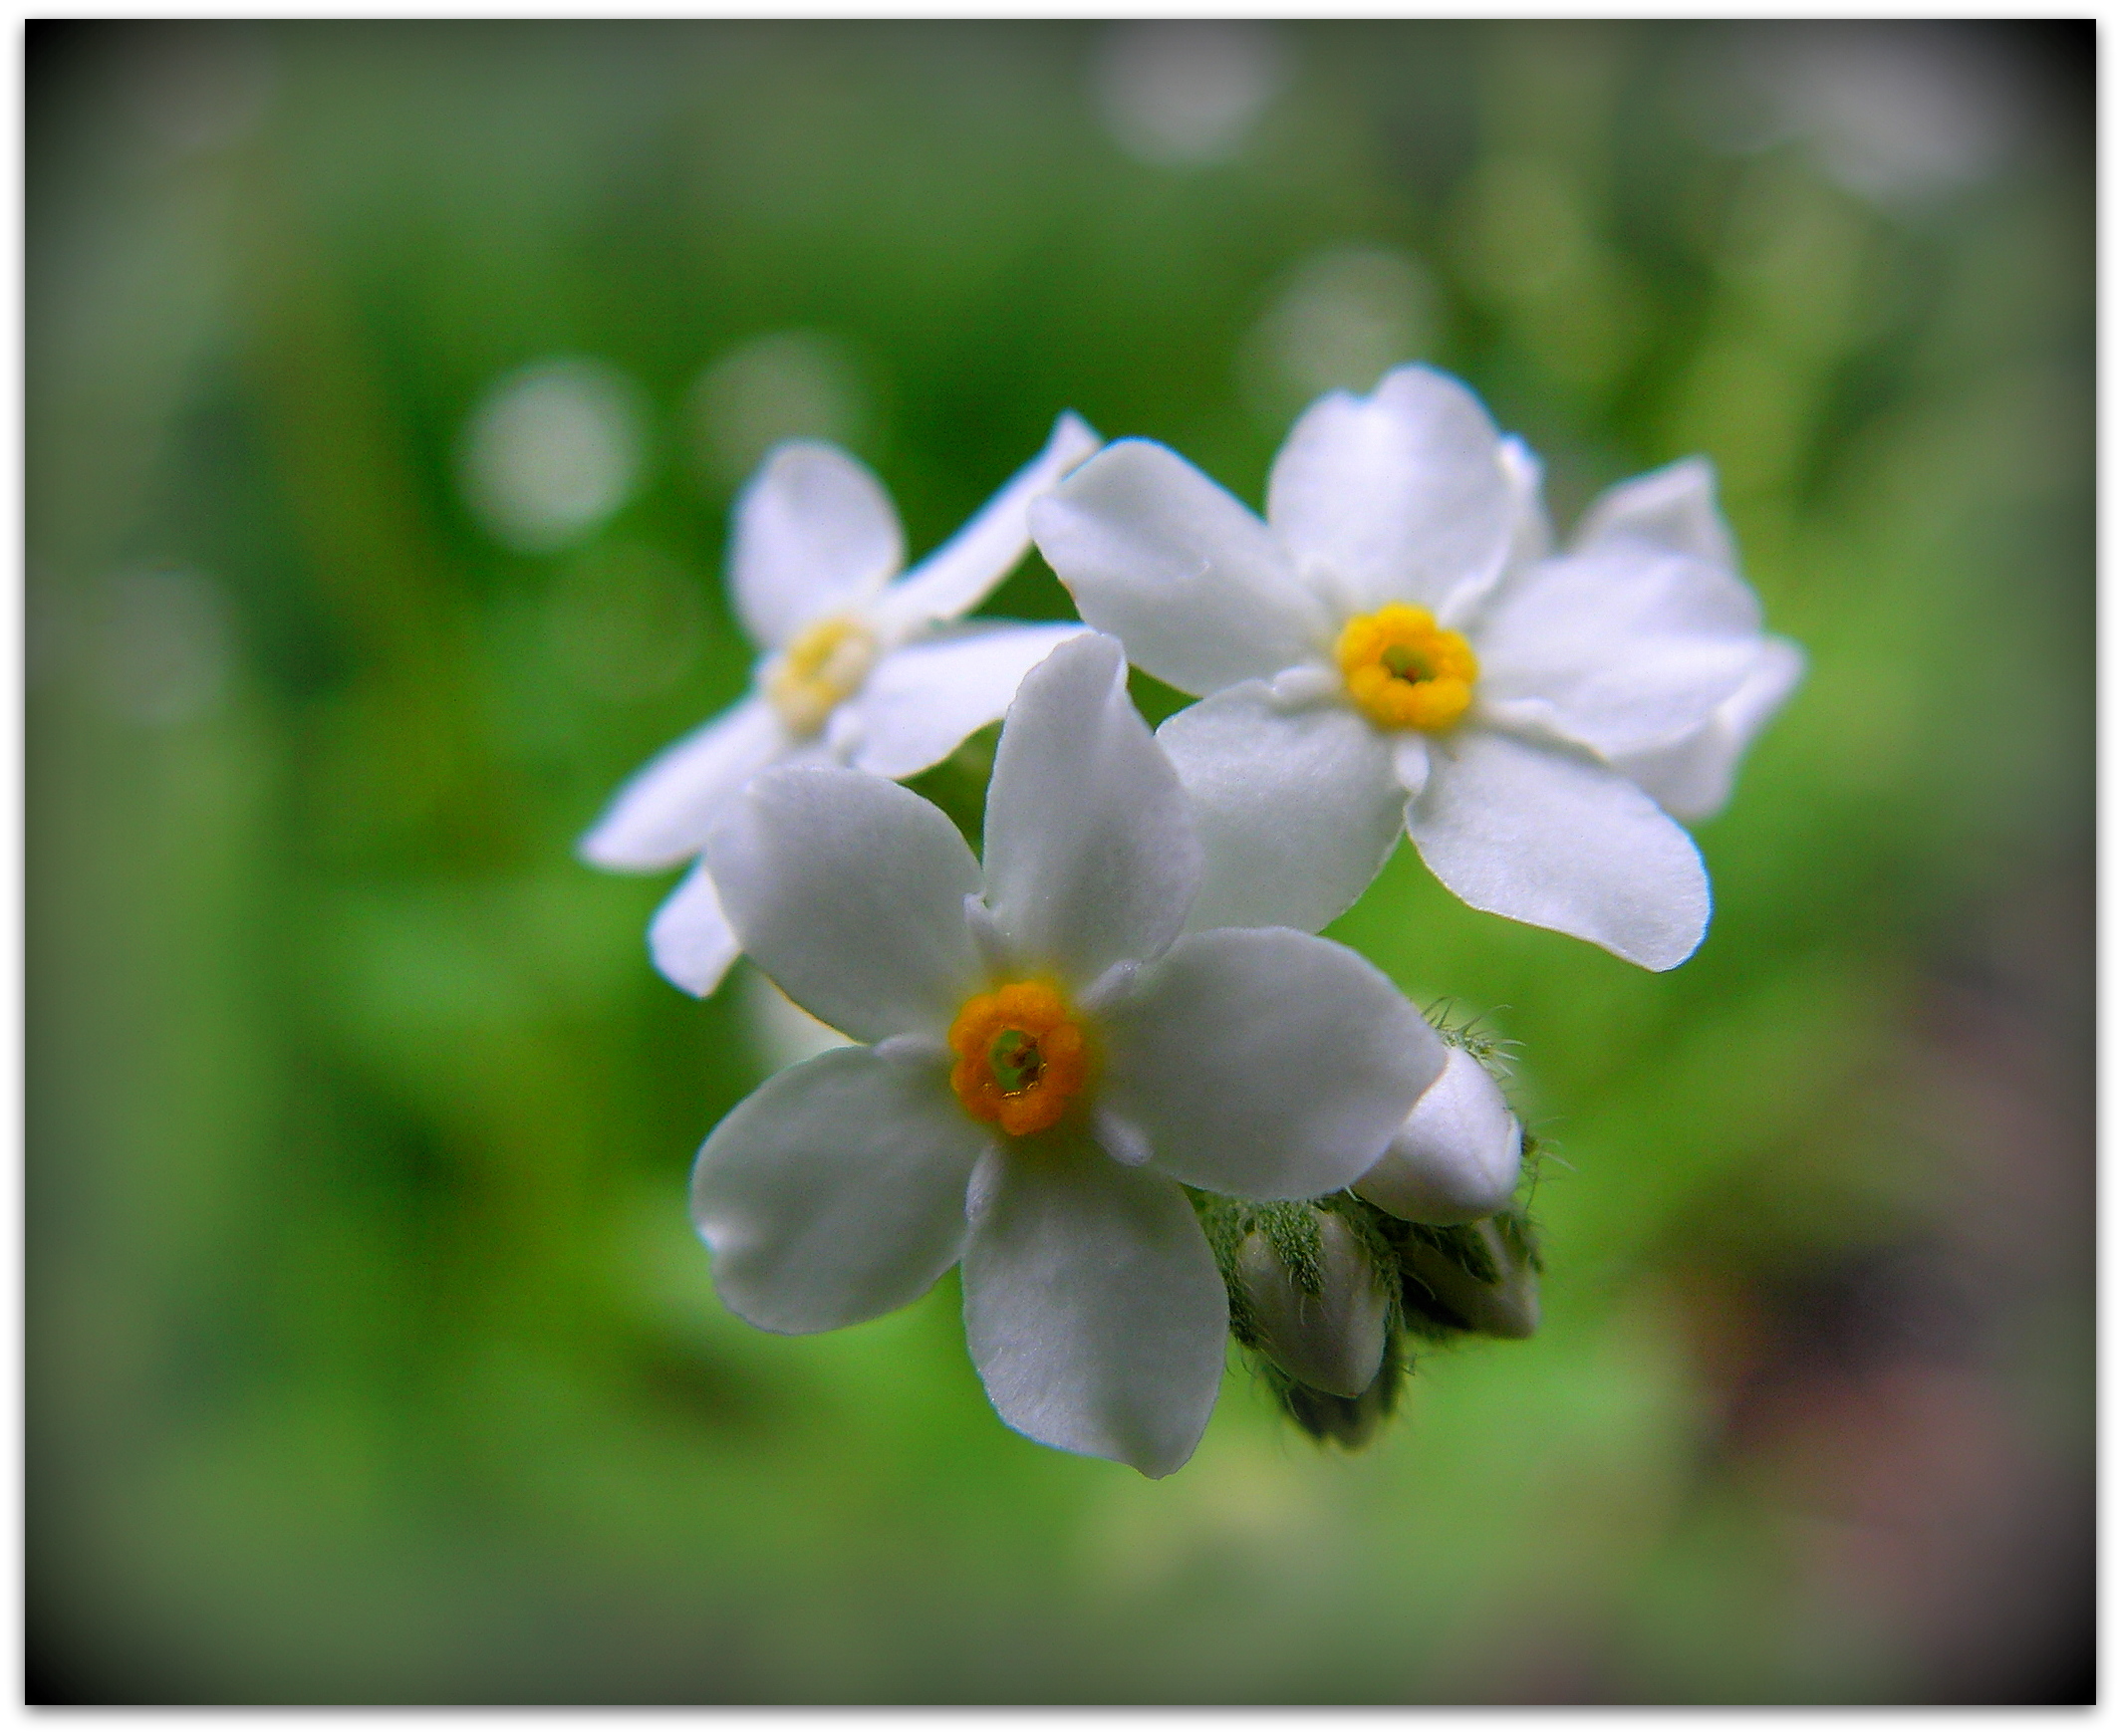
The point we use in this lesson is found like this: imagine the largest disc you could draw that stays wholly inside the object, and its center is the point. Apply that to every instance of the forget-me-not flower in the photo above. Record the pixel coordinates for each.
(865, 666)
(1044, 1057)
(1393, 647)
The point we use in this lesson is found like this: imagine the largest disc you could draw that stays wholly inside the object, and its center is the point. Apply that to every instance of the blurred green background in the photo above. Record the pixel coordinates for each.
(371, 1352)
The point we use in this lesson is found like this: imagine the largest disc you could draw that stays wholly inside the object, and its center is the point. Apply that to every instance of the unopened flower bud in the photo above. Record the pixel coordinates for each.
(1321, 1320)
(1502, 1303)
(1350, 1421)
(1455, 1157)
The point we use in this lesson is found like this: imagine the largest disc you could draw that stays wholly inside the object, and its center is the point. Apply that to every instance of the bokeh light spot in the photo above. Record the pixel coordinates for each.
(1339, 318)
(1181, 94)
(786, 385)
(553, 452)
(162, 654)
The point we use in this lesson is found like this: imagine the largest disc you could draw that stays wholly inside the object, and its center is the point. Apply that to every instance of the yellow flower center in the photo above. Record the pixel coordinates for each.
(823, 664)
(1404, 671)
(1022, 1056)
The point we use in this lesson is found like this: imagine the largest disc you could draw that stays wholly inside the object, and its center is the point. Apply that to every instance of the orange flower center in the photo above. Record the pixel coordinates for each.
(1022, 1056)
(1406, 673)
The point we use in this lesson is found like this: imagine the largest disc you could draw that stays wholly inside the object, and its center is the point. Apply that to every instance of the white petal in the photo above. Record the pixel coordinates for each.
(849, 891)
(1410, 762)
(1673, 508)
(815, 534)
(783, 1034)
(662, 814)
(1198, 589)
(1402, 495)
(1091, 856)
(1548, 837)
(1120, 1139)
(1092, 1305)
(690, 938)
(834, 1192)
(1622, 649)
(1456, 1157)
(1691, 777)
(1334, 1340)
(957, 576)
(1264, 1062)
(1531, 535)
(1297, 809)
(1305, 685)
(925, 697)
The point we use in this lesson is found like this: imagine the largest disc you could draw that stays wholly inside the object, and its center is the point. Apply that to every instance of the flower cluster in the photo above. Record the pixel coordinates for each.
(1108, 1067)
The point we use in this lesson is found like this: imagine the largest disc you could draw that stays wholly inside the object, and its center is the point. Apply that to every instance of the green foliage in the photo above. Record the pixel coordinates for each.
(371, 1355)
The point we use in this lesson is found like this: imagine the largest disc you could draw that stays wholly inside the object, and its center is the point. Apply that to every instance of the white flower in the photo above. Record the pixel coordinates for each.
(1392, 646)
(863, 666)
(1456, 1157)
(1047, 1060)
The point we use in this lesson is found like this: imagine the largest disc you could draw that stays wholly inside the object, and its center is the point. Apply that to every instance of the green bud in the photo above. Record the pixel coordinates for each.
(1330, 1416)
(1481, 1277)
(1325, 1293)
(1322, 1319)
